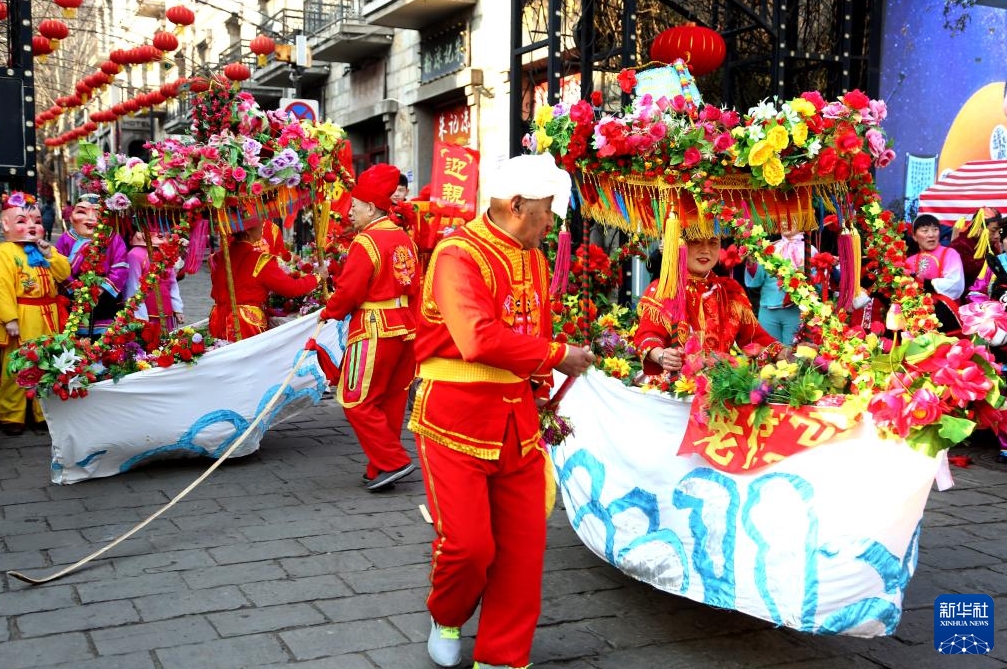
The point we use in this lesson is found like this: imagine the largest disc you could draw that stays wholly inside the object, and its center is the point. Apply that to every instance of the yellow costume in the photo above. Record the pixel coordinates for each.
(27, 295)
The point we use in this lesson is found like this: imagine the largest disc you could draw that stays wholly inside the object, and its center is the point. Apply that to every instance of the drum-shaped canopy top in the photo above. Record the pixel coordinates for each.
(976, 184)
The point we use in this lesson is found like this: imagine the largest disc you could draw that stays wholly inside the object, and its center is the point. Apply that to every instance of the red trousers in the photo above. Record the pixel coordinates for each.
(491, 531)
(373, 389)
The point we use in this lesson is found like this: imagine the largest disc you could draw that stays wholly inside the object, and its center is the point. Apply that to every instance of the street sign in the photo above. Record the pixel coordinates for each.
(303, 108)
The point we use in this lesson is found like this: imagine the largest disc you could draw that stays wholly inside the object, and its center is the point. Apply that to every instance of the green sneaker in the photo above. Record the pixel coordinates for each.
(445, 644)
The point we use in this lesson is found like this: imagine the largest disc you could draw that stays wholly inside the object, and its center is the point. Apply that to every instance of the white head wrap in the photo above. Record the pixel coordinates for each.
(534, 177)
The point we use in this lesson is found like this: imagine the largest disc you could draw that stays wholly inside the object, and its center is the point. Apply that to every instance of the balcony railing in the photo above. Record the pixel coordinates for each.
(285, 24)
(320, 15)
(238, 53)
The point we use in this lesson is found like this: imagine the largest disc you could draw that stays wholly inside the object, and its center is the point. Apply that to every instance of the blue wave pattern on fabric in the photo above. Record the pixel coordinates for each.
(719, 588)
(186, 443)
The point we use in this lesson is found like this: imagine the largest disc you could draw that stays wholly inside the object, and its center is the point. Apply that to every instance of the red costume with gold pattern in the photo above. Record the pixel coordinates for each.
(484, 343)
(256, 275)
(374, 289)
(717, 310)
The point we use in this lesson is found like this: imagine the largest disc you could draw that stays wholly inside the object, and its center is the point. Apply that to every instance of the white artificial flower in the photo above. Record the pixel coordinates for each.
(74, 383)
(813, 147)
(764, 111)
(65, 361)
(791, 115)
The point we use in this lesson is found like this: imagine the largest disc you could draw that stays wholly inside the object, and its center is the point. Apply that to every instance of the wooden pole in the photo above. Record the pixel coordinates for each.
(225, 247)
(321, 210)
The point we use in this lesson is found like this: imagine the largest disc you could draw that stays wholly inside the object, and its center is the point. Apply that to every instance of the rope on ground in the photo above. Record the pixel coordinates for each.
(192, 486)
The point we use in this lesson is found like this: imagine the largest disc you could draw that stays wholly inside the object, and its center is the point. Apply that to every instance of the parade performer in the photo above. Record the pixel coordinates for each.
(376, 284)
(778, 315)
(254, 275)
(30, 271)
(272, 240)
(113, 267)
(939, 269)
(485, 353)
(166, 313)
(716, 309)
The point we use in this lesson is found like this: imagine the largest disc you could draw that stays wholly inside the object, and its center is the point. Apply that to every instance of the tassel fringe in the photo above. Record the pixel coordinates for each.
(561, 270)
(849, 262)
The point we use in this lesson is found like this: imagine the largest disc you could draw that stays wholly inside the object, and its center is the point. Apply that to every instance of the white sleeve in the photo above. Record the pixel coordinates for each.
(951, 282)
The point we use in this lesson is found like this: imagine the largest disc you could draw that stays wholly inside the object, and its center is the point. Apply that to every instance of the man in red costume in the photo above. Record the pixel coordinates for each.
(254, 275)
(485, 353)
(375, 287)
(716, 309)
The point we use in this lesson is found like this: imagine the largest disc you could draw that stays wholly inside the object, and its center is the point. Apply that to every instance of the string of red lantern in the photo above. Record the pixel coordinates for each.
(69, 7)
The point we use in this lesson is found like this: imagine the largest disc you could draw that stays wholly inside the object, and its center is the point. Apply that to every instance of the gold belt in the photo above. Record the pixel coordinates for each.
(460, 371)
(394, 303)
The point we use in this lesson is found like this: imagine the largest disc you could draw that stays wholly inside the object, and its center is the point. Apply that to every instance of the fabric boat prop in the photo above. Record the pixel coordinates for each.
(190, 410)
(823, 541)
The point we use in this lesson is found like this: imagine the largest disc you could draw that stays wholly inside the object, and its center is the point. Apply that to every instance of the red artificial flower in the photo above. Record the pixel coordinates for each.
(29, 377)
(627, 80)
(827, 161)
(831, 221)
(856, 99)
(861, 162)
(581, 111)
(596, 100)
(731, 257)
(815, 98)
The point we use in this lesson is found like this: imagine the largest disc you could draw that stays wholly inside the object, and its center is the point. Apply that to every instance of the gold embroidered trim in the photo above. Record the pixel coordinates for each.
(393, 303)
(459, 371)
(261, 263)
(367, 243)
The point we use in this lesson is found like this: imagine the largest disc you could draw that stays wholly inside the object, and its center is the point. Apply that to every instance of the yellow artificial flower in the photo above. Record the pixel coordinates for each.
(685, 386)
(802, 107)
(608, 321)
(543, 115)
(805, 352)
(778, 138)
(760, 153)
(773, 171)
(800, 133)
(616, 367)
(542, 140)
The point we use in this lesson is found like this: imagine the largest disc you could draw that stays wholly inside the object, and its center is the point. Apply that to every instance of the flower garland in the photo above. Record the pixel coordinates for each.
(87, 286)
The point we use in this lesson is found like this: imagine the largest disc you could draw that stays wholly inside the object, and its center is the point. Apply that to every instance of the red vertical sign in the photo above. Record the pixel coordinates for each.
(455, 182)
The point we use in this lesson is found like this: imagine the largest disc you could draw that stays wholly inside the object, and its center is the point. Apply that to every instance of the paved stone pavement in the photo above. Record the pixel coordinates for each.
(282, 559)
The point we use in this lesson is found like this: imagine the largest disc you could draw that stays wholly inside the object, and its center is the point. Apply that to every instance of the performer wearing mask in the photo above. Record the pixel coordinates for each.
(30, 272)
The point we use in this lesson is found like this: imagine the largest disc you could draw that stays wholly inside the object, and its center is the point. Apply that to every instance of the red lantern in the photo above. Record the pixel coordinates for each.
(119, 109)
(181, 16)
(702, 49)
(199, 85)
(3, 10)
(237, 72)
(119, 57)
(69, 7)
(90, 126)
(54, 30)
(262, 46)
(170, 89)
(165, 41)
(111, 68)
(40, 47)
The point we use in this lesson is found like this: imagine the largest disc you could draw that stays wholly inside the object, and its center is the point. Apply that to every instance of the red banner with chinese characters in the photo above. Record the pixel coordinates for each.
(455, 181)
(736, 444)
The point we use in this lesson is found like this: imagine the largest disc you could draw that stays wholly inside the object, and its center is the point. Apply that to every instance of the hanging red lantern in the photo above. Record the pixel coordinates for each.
(69, 7)
(165, 41)
(181, 16)
(83, 90)
(3, 10)
(170, 89)
(199, 85)
(111, 68)
(40, 47)
(262, 46)
(54, 30)
(90, 126)
(119, 57)
(237, 72)
(702, 49)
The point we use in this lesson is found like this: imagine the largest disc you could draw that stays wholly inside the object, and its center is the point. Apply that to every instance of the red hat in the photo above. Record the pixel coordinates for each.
(376, 185)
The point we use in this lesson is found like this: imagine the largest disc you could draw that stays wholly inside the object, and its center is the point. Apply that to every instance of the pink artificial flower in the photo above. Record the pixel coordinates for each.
(985, 319)
(815, 98)
(153, 199)
(875, 142)
(965, 384)
(239, 173)
(730, 118)
(256, 188)
(723, 142)
(886, 158)
(691, 157)
(192, 203)
(678, 103)
(835, 110)
(924, 407)
(889, 410)
(709, 113)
